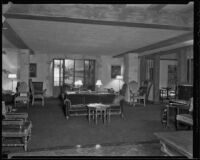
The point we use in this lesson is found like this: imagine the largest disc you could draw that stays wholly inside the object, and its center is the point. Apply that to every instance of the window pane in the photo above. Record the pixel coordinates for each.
(69, 71)
(79, 70)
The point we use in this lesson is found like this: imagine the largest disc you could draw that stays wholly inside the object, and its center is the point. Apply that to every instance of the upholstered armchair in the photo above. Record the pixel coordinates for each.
(139, 93)
(22, 95)
(185, 118)
(143, 91)
(37, 91)
(9, 115)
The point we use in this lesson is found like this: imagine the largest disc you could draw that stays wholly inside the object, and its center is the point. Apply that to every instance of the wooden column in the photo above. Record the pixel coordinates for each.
(156, 78)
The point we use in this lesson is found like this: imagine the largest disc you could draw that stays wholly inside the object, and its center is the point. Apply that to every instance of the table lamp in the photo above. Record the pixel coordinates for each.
(78, 84)
(119, 77)
(98, 84)
(12, 77)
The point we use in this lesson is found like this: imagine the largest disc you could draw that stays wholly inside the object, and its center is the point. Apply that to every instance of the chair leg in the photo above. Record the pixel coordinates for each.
(42, 101)
(33, 101)
(144, 102)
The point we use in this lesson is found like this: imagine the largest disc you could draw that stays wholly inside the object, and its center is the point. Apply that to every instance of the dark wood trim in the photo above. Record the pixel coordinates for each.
(168, 42)
(163, 59)
(176, 50)
(96, 22)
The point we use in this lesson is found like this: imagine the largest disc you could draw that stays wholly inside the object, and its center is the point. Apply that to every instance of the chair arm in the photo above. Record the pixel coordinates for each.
(12, 122)
(23, 116)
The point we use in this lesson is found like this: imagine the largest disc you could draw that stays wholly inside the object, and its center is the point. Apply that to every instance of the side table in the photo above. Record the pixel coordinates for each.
(95, 109)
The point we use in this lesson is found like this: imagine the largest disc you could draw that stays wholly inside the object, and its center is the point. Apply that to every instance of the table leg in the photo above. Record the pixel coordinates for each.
(104, 116)
(96, 116)
(167, 116)
(89, 115)
(25, 143)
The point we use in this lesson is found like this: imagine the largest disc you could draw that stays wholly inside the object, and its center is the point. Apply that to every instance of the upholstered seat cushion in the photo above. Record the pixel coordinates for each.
(21, 98)
(186, 118)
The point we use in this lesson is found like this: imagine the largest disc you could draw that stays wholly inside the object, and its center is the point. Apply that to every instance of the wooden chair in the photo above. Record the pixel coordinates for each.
(37, 91)
(187, 118)
(22, 95)
(141, 93)
(16, 129)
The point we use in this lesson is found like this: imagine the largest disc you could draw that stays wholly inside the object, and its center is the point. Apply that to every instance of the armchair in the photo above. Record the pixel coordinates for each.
(141, 93)
(37, 91)
(9, 115)
(15, 125)
(16, 129)
(22, 95)
(187, 118)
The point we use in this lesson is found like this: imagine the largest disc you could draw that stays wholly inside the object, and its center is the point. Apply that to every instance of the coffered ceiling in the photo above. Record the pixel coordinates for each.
(94, 29)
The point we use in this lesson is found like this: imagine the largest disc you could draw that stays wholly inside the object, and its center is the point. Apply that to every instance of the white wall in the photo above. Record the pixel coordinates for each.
(104, 64)
(103, 69)
(15, 61)
(164, 71)
(131, 65)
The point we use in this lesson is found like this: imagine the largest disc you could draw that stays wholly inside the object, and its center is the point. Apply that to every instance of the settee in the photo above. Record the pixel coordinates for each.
(75, 103)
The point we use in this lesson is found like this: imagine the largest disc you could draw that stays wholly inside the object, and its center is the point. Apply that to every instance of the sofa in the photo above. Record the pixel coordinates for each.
(75, 103)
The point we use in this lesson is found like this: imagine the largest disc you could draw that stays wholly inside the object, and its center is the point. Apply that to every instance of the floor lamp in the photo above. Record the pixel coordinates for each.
(119, 77)
(12, 77)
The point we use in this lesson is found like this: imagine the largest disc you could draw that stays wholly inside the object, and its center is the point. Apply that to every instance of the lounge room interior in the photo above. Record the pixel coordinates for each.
(97, 79)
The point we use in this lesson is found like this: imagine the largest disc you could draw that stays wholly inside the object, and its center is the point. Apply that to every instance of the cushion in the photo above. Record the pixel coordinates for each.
(186, 118)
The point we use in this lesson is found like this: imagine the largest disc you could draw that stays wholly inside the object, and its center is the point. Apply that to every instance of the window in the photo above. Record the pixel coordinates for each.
(67, 71)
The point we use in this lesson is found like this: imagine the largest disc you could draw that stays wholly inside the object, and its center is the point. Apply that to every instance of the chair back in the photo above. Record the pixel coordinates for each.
(22, 87)
(37, 87)
(133, 87)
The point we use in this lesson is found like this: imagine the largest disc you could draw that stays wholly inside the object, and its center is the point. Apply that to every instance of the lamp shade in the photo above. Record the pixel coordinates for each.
(12, 76)
(78, 83)
(119, 77)
(99, 83)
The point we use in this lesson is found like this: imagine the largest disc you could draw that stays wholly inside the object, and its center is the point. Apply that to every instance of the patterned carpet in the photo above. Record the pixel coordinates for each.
(53, 134)
(117, 149)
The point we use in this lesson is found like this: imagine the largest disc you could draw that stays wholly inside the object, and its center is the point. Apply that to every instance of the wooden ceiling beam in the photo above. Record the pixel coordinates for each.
(97, 22)
(164, 43)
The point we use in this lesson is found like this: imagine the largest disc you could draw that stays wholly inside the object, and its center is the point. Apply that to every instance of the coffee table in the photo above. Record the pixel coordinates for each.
(95, 109)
